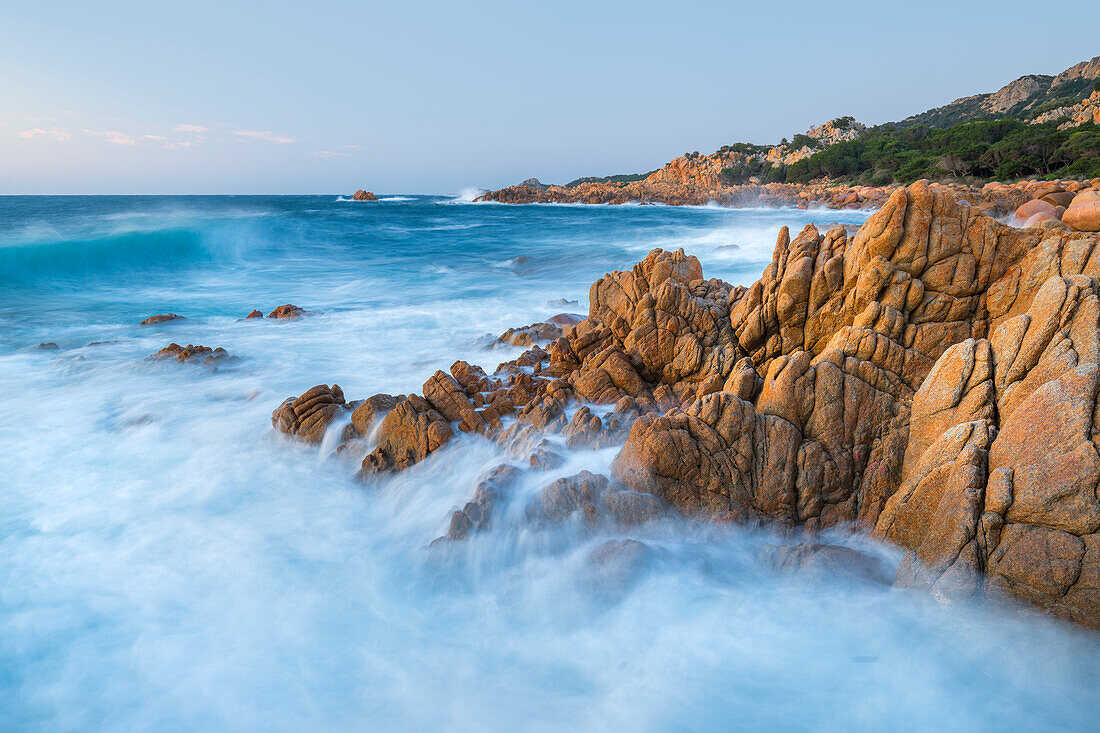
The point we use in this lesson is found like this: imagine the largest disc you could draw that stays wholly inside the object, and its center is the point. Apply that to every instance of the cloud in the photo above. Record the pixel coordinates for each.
(265, 135)
(55, 132)
(154, 137)
(194, 129)
(118, 138)
(354, 147)
(328, 154)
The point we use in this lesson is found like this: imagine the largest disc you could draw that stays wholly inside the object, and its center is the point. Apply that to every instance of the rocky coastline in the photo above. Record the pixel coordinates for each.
(933, 381)
(694, 183)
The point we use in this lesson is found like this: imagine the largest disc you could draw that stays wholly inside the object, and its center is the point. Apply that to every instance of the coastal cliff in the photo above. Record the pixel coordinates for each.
(933, 380)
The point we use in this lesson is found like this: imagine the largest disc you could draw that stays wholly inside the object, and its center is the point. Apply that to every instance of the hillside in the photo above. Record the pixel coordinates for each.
(1027, 97)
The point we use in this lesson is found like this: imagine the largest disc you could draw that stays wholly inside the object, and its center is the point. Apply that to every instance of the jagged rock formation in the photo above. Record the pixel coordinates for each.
(1075, 115)
(933, 380)
(362, 195)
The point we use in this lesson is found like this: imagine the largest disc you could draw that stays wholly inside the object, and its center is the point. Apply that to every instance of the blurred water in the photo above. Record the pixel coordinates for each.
(167, 563)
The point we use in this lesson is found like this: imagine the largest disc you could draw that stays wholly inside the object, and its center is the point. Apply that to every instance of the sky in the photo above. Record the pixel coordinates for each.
(436, 97)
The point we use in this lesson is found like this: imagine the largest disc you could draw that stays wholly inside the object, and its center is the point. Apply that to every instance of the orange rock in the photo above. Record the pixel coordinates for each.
(1084, 217)
(1033, 207)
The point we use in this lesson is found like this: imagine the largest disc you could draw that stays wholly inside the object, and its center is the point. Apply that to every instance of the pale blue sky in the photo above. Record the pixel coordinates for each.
(273, 97)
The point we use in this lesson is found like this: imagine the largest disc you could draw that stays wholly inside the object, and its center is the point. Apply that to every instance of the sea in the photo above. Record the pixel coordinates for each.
(168, 562)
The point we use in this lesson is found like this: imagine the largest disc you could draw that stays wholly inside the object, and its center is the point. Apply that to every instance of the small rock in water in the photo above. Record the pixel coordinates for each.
(288, 311)
(194, 354)
(255, 314)
(48, 346)
(562, 303)
(161, 318)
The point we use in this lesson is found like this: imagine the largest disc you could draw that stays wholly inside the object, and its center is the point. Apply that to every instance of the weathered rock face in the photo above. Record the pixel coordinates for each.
(408, 433)
(1000, 491)
(933, 378)
(362, 195)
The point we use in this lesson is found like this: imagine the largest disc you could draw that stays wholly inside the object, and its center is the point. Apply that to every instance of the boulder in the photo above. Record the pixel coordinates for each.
(1083, 215)
(362, 195)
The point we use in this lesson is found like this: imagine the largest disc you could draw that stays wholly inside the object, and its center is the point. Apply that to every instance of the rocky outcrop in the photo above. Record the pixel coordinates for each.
(192, 354)
(693, 182)
(1074, 115)
(932, 379)
(362, 195)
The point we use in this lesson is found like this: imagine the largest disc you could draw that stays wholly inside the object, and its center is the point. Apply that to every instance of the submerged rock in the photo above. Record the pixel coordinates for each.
(825, 562)
(614, 567)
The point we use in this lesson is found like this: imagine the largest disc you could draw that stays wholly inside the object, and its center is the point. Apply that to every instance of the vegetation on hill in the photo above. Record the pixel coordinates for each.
(620, 178)
(1003, 149)
(970, 108)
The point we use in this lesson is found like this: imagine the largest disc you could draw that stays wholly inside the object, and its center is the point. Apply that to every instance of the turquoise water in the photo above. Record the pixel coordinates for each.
(167, 563)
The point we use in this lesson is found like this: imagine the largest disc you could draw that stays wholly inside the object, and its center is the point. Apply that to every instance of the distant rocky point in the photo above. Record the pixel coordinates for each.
(362, 195)
(842, 163)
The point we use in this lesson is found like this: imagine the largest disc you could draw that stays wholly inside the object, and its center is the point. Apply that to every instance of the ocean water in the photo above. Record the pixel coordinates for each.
(168, 563)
